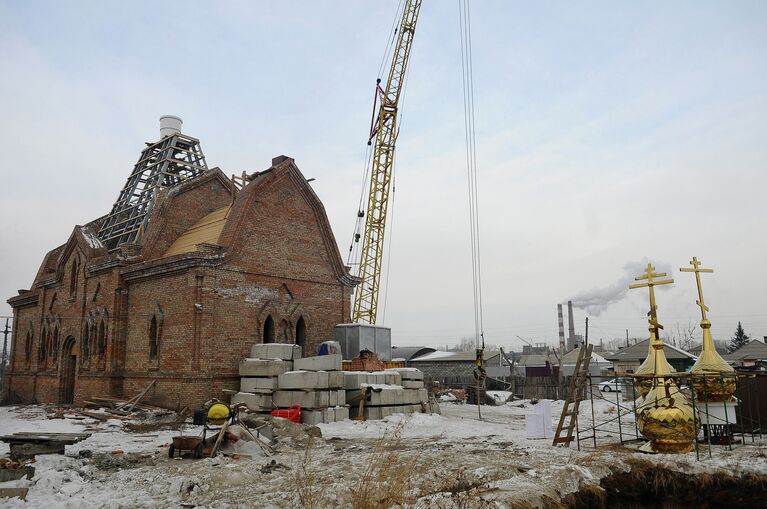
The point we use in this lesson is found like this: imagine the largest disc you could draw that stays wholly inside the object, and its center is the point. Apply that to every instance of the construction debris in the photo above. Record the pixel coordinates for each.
(25, 446)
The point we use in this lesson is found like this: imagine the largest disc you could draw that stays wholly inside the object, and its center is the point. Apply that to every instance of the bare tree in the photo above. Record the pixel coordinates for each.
(686, 335)
(468, 344)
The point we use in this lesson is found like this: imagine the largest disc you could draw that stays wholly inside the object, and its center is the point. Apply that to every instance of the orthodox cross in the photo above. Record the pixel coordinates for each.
(697, 270)
(650, 283)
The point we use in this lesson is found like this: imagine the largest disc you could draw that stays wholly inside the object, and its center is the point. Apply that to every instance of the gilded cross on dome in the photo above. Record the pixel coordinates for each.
(697, 270)
(650, 283)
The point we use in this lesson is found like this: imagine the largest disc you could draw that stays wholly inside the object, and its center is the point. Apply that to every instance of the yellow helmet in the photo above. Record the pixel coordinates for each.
(218, 413)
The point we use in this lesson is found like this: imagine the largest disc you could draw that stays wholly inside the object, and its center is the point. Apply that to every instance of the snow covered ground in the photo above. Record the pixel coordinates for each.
(445, 452)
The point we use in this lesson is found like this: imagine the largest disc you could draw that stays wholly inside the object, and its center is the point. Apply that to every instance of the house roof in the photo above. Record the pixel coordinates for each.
(442, 356)
(408, 352)
(697, 349)
(536, 359)
(638, 352)
(752, 350)
(205, 231)
(571, 357)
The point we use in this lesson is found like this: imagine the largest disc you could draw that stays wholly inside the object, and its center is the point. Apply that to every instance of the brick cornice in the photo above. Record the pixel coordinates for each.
(170, 265)
(25, 299)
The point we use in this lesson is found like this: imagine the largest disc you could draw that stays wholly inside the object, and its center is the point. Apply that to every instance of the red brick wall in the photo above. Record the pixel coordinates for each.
(280, 261)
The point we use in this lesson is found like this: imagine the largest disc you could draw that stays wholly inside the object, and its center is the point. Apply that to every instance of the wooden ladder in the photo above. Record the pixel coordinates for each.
(575, 394)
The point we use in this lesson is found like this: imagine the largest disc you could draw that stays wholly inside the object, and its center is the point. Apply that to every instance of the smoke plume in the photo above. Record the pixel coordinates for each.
(597, 300)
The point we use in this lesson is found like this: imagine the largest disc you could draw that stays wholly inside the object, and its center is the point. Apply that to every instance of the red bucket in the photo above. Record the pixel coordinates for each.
(292, 414)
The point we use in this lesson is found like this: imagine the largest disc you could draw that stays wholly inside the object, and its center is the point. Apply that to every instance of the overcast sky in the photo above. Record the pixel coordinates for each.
(607, 133)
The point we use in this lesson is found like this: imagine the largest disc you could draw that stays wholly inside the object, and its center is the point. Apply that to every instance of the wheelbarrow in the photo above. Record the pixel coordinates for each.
(186, 443)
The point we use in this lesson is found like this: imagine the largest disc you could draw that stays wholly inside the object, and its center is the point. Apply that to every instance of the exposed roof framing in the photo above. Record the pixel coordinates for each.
(170, 161)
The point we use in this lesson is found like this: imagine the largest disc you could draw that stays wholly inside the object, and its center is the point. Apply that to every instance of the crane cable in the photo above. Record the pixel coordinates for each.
(467, 75)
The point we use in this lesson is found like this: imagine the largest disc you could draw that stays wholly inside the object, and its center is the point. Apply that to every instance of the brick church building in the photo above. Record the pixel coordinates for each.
(178, 281)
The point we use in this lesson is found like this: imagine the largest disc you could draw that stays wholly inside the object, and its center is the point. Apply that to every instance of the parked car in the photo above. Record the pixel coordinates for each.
(616, 384)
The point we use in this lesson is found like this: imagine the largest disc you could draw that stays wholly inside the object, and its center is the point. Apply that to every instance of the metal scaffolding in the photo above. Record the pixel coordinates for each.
(742, 426)
(170, 161)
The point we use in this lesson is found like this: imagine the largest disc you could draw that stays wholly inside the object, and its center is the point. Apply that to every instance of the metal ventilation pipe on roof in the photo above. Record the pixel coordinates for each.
(170, 125)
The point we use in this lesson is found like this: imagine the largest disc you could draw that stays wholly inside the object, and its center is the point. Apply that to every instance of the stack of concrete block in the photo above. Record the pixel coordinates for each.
(259, 374)
(317, 385)
(391, 391)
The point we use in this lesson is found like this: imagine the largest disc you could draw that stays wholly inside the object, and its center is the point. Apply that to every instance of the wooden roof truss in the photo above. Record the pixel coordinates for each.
(166, 163)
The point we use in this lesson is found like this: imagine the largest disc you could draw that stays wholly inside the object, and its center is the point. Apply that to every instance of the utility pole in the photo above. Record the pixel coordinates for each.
(627, 338)
(5, 353)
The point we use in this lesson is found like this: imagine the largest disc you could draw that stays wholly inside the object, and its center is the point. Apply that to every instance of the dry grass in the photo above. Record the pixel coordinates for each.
(457, 490)
(310, 495)
(390, 478)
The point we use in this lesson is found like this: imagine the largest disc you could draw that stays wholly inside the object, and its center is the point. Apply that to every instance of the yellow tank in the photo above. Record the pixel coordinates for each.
(218, 413)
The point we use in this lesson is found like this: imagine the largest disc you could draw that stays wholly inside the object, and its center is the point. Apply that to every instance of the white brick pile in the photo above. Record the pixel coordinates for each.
(399, 390)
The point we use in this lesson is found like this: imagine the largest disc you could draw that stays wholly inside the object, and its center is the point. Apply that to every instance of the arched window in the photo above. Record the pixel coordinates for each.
(73, 278)
(42, 351)
(28, 347)
(85, 347)
(102, 340)
(92, 331)
(268, 336)
(154, 337)
(301, 333)
(55, 346)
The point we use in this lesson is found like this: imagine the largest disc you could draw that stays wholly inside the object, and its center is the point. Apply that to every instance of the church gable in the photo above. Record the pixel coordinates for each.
(278, 226)
(180, 208)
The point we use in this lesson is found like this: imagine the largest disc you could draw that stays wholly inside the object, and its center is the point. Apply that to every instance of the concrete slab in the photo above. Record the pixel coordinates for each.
(353, 379)
(412, 384)
(312, 417)
(256, 402)
(392, 378)
(259, 385)
(331, 362)
(304, 380)
(341, 413)
(335, 379)
(423, 396)
(264, 367)
(411, 396)
(408, 373)
(310, 400)
(275, 351)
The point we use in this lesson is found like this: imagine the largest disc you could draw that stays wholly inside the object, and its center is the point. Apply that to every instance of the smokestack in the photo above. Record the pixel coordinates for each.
(170, 125)
(571, 323)
(561, 330)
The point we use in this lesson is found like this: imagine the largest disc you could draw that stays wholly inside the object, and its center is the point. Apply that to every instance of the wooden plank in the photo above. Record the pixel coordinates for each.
(14, 493)
(219, 438)
(140, 396)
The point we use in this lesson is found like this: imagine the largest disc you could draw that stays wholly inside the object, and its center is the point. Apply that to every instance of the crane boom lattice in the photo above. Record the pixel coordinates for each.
(385, 132)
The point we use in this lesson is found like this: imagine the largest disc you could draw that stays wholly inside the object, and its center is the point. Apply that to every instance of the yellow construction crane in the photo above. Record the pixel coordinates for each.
(384, 129)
